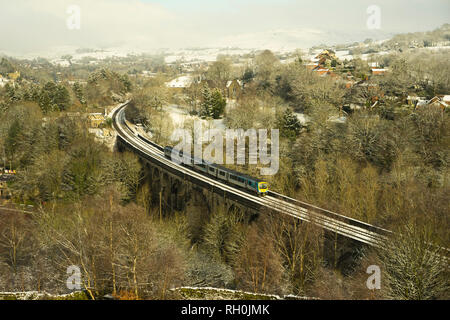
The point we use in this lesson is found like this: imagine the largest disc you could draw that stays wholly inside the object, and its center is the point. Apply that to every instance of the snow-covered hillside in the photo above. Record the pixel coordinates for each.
(284, 40)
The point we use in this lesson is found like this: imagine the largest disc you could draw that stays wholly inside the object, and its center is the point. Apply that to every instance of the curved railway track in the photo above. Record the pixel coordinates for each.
(345, 226)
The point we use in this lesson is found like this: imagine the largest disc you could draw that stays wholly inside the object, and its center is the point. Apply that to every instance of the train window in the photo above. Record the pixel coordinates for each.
(222, 173)
(211, 169)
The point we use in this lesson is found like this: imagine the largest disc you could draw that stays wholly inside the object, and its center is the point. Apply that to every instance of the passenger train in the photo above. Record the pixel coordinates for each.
(237, 179)
(257, 186)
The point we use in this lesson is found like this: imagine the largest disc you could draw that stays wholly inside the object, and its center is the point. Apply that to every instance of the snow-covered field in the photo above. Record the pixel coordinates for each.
(180, 117)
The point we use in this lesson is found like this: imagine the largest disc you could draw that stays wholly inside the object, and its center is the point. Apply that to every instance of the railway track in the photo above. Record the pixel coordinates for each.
(345, 226)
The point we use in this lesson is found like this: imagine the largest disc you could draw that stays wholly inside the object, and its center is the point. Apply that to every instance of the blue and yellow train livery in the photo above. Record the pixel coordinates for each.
(221, 173)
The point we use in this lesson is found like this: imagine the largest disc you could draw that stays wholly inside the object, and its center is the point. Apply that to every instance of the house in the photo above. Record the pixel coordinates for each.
(3, 81)
(312, 65)
(378, 71)
(180, 84)
(326, 57)
(446, 98)
(441, 101)
(324, 63)
(414, 99)
(325, 72)
(421, 103)
(326, 53)
(14, 75)
(438, 101)
(322, 71)
(96, 120)
(234, 89)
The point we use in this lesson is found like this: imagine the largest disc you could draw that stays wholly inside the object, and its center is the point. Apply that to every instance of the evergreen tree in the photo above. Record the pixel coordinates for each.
(248, 76)
(125, 82)
(213, 104)
(11, 92)
(54, 97)
(78, 90)
(289, 124)
(61, 98)
(206, 110)
(218, 104)
(6, 67)
(45, 102)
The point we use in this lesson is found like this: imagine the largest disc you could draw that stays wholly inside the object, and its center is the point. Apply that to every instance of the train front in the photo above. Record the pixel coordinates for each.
(263, 188)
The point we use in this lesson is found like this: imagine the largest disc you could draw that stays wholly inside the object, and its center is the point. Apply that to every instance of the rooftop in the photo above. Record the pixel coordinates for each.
(180, 82)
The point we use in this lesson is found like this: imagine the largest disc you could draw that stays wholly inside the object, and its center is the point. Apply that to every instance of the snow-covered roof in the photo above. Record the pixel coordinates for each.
(422, 103)
(61, 63)
(3, 82)
(413, 97)
(230, 82)
(180, 82)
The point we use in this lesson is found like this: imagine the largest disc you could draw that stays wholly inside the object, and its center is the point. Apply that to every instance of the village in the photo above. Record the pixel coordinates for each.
(185, 89)
(325, 64)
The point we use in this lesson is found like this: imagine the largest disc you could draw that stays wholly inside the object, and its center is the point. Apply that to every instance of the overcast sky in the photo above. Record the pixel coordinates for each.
(29, 26)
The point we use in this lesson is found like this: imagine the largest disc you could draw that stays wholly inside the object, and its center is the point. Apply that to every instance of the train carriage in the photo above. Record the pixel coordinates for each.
(247, 182)
(218, 172)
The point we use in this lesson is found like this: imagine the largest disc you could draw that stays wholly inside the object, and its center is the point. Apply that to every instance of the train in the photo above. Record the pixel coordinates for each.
(220, 173)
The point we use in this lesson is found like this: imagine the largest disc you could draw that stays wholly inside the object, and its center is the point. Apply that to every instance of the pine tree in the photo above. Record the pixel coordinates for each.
(61, 98)
(54, 97)
(248, 76)
(78, 90)
(218, 104)
(206, 110)
(289, 124)
(6, 67)
(45, 102)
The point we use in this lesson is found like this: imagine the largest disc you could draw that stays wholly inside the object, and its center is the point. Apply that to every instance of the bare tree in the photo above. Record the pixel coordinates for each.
(300, 246)
(259, 266)
(414, 268)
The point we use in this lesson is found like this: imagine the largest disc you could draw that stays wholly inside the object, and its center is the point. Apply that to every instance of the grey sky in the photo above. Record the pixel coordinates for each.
(29, 26)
